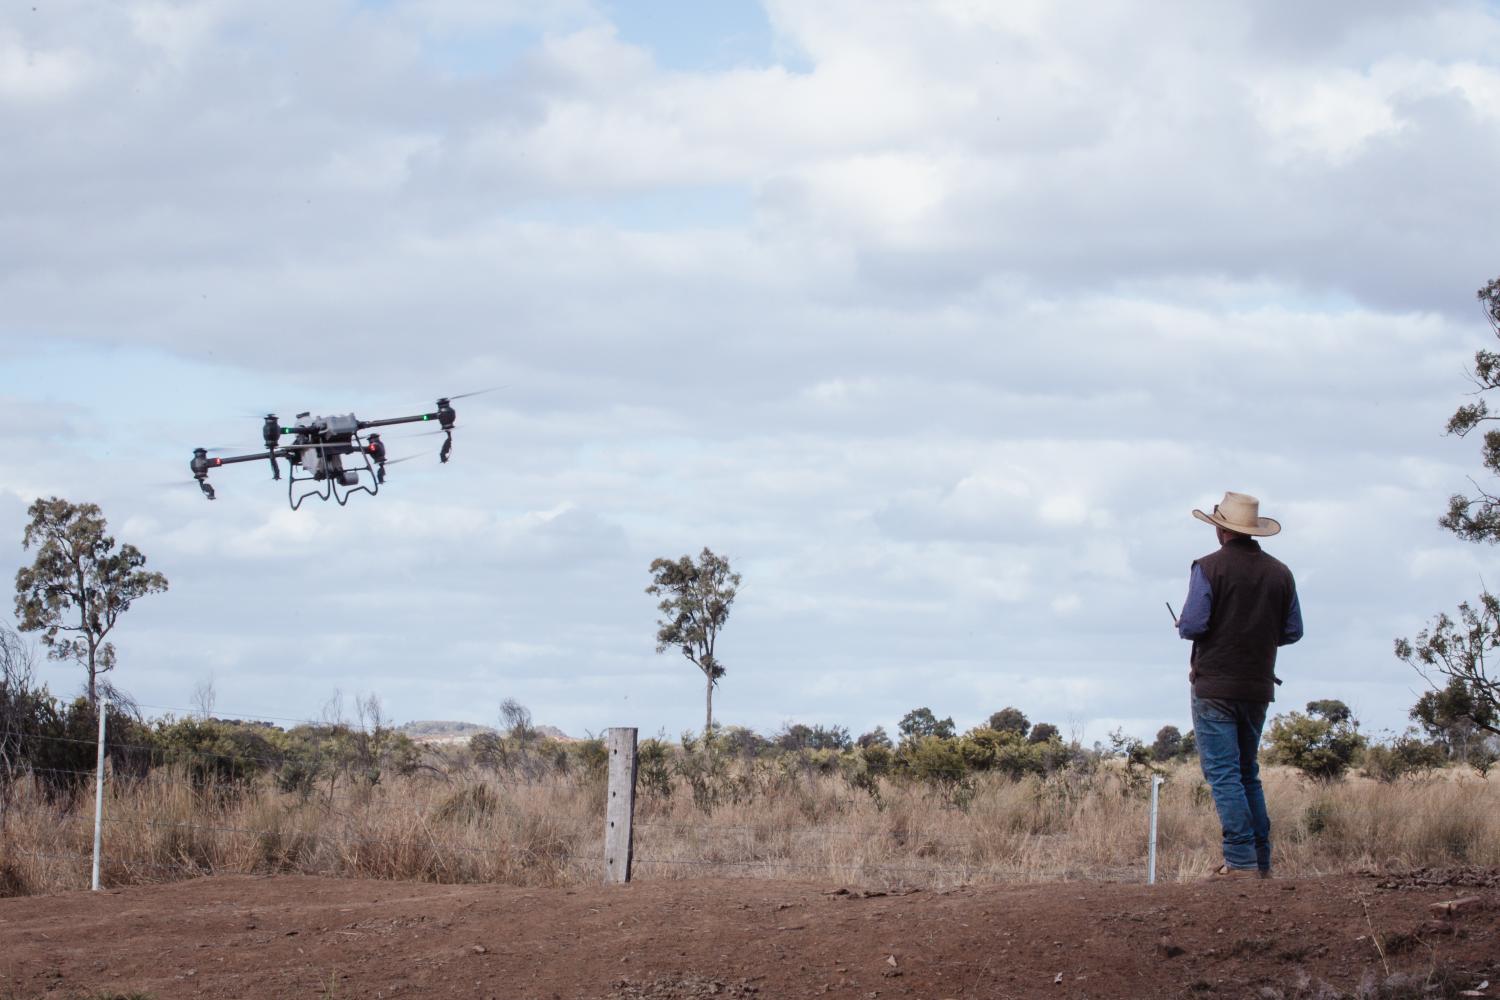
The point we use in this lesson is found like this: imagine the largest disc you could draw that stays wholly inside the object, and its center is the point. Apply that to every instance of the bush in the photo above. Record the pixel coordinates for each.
(653, 760)
(798, 736)
(933, 758)
(223, 754)
(1168, 744)
(1318, 747)
(1010, 752)
(1044, 731)
(1407, 756)
(920, 723)
(1010, 720)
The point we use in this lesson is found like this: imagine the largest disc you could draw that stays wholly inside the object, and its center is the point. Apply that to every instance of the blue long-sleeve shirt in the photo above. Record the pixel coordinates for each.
(1196, 610)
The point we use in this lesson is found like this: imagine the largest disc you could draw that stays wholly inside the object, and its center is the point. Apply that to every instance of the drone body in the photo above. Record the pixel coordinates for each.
(331, 457)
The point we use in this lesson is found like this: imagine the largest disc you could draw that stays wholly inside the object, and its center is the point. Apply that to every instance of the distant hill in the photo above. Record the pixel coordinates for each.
(448, 731)
(430, 729)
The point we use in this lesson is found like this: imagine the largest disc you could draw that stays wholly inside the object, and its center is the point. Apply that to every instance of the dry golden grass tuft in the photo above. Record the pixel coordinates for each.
(782, 821)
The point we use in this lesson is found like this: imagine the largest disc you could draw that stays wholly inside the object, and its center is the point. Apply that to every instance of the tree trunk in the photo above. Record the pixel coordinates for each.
(708, 725)
(93, 689)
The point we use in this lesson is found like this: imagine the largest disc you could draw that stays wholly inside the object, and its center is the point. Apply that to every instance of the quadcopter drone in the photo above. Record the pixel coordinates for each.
(331, 457)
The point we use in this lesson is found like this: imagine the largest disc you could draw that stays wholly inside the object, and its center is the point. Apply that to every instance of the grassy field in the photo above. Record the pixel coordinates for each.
(751, 819)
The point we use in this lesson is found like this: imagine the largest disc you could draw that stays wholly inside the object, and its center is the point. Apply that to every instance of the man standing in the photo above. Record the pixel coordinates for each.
(1241, 606)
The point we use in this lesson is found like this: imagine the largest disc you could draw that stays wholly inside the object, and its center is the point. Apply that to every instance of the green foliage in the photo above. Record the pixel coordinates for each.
(938, 760)
(1477, 518)
(878, 756)
(1011, 753)
(798, 736)
(695, 603)
(214, 752)
(79, 584)
(1167, 745)
(875, 738)
(1457, 650)
(56, 741)
(1044, 731)
(740, 741)
(1454, 719)
(920, 723)
(1010, 720)
(932, 758)
(1331, 709)
(591, 755)
(710, 779)
(1407, 756)
(653, 759)
(1318, 747)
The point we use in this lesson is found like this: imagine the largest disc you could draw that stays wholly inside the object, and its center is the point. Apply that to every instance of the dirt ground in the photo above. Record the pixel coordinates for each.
(243, 936)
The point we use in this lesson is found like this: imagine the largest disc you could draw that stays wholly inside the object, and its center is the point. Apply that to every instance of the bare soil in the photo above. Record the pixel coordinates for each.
(292, 936)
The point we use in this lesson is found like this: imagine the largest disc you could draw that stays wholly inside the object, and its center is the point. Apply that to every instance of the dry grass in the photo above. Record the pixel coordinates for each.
(770, 822)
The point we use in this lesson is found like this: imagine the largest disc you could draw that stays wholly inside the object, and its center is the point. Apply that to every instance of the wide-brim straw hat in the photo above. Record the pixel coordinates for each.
(1240, 512)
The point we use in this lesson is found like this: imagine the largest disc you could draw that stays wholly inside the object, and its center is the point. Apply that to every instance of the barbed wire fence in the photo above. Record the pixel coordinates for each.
(161, 839)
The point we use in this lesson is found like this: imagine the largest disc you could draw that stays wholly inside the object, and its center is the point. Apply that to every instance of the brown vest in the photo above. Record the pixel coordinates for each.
(1252, 595)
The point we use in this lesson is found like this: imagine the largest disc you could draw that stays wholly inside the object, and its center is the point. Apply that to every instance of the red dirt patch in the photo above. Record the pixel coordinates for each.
(243, 936)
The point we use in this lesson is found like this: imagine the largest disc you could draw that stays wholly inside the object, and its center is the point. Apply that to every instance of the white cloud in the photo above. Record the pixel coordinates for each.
(31, 75)
(940, 332)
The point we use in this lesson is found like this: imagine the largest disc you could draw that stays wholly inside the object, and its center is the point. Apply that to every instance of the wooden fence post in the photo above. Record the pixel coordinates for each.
(619, 814)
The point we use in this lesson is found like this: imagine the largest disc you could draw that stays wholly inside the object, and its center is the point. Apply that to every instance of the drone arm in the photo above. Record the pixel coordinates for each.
(445, 415)
(390, 421)
(261, 456)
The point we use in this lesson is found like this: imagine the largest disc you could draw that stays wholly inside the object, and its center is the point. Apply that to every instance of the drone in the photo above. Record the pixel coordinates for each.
(329, 457)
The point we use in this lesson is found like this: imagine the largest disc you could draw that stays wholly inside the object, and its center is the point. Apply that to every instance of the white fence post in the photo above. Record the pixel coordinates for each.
(1156, 781)
(619, 813)
(99, 792)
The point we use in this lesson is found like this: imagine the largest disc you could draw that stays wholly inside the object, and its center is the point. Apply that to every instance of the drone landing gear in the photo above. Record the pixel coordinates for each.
(338, 483)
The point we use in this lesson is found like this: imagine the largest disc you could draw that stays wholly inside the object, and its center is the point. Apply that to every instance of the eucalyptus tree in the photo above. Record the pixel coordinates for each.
(1459, 649)
(78, 585)
(695, 600)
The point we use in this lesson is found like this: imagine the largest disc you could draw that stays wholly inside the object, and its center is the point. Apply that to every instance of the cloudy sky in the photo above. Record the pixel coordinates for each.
(936, 317)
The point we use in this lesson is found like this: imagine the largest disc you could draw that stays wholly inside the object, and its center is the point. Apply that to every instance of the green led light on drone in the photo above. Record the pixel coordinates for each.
(424, 416)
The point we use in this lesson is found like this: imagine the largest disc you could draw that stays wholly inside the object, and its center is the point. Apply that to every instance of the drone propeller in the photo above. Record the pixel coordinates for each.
(476, 392)
(408, 458)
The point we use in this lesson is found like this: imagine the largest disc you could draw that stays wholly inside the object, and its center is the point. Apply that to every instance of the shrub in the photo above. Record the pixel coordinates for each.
(933, 758)
(1010, 720)
(1044, 731)
(653, 759)
(226, 755)
(1407, 756)
(920, 723)
(1168, 744)
(1320, 748)
(470, 804)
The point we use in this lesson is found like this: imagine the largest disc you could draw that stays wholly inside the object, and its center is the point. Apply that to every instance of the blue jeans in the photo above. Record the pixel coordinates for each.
(1228, 737)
